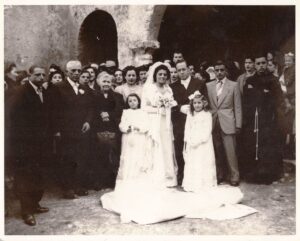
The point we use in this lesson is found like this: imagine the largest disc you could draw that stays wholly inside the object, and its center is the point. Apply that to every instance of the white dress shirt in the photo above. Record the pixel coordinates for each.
(186, 82)
(184, 108)
(220, 85)
(74, 85)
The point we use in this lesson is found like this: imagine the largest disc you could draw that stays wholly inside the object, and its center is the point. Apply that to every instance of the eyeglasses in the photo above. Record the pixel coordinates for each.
(37, 75)
(75, 70)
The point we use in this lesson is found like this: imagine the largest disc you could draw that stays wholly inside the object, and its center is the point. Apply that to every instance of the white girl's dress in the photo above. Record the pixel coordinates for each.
(199, 157)
(133, 164)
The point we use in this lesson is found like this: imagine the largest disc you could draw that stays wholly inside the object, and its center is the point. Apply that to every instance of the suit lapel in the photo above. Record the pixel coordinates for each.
(70, 89)
(224, 92)
(190, 88)
(33, 94)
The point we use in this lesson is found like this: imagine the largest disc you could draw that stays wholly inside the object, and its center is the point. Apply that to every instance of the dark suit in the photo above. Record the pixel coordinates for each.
(72, 112)
(10, 92)
(181, 95)
(227, 116)
(30, 122)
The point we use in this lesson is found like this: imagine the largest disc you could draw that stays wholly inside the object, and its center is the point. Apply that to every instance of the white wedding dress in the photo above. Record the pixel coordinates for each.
(160, 147)
(152, 197)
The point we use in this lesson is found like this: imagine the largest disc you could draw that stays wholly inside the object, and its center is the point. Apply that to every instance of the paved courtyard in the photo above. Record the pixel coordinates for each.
(275, 204)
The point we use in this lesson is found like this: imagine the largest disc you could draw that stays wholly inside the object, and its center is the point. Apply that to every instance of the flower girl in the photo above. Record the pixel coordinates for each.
(133, 126)
(199, 157)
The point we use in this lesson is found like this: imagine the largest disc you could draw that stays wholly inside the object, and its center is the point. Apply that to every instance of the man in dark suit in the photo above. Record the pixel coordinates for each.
(225, 102)
(30, 117)
(74, 115)
(182, 89)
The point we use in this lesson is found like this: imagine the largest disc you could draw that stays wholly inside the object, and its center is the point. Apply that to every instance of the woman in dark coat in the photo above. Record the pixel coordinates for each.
(287, 116)
(108, 107)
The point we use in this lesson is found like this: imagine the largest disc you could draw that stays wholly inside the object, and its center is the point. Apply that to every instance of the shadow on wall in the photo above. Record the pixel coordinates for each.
(218, 32)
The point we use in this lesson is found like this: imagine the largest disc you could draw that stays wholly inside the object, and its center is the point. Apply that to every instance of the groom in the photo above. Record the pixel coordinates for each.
(182, 89)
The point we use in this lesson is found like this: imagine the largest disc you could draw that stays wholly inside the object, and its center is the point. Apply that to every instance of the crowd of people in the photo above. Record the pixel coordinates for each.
(166, 122)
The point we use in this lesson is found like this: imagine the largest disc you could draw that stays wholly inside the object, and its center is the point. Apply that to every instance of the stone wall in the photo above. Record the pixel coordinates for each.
(49, 34)
(25, 38)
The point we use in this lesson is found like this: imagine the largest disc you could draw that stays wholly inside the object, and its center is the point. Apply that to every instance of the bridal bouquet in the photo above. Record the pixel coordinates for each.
(166, 102)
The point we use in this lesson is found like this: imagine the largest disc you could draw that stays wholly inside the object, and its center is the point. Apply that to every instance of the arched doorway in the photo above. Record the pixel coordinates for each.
(98, 38)
(211, 32)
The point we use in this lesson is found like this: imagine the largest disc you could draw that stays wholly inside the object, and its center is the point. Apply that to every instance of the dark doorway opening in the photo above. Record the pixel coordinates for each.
(225, 32)
(98, 38)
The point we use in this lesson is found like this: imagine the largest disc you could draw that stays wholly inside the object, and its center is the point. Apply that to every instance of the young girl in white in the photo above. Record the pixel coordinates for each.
(199, 157)
(133, 126)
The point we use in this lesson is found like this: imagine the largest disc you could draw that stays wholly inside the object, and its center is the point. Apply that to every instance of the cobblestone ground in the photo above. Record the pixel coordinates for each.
(275, 204)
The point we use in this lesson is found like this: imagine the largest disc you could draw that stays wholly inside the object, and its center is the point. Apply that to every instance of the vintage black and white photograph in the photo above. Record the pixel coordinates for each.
(149, 120)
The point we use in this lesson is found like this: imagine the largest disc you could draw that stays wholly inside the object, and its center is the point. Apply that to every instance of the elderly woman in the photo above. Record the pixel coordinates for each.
(130, 87)
(108, 107)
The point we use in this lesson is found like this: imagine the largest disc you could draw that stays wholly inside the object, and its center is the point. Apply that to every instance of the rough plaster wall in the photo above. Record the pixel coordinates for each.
(38, 34)
(49, 34)
(25, 41)
(61, 36)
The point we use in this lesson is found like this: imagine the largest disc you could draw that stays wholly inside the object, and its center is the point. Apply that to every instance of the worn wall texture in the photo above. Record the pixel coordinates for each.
(49, 34)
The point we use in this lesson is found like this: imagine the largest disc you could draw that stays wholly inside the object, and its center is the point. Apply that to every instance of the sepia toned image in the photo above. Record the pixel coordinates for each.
(149, 120)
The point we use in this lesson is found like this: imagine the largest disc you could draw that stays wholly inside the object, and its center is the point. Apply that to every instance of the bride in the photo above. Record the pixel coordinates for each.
(157, 101)
(151, 198)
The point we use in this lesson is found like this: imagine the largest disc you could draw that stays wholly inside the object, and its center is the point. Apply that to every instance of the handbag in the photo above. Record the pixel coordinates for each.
(109, 140)
(106, 137)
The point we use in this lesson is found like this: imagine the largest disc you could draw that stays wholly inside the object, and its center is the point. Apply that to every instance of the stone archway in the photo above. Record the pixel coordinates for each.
(98, 39)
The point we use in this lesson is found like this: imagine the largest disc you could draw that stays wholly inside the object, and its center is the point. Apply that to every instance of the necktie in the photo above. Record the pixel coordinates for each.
(39, 91)
(219, 88)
